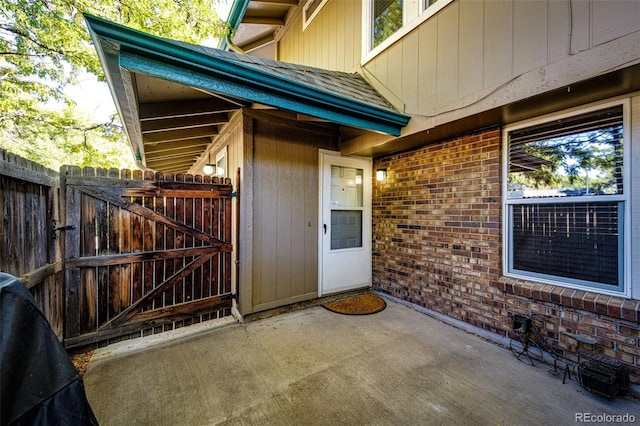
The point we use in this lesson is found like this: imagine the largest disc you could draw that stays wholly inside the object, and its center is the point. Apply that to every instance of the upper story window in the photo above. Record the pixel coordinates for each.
(387, 19)
(310, 10)
(566, 200)
(390, 15)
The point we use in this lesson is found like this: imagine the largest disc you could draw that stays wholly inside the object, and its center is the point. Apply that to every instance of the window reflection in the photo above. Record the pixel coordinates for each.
(387, 19)
(572, 157)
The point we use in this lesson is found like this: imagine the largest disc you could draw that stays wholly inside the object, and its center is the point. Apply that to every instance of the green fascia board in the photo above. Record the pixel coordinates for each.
(236, 13)
(245, 82)
(118, 81)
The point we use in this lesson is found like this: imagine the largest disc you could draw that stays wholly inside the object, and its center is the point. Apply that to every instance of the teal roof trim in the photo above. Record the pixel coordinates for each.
(236, 13)
(216, 84)
(193, 65)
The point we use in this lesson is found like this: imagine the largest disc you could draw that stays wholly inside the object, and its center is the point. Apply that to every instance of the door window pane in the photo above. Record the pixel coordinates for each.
(346, 207)
(346, 187)
(346, 229)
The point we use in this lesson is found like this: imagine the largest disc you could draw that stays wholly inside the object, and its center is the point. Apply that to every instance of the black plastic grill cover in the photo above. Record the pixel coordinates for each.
(39, 384)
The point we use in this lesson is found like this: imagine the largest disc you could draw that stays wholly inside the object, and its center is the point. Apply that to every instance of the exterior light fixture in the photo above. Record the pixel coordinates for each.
(209, 168)
(381, 174)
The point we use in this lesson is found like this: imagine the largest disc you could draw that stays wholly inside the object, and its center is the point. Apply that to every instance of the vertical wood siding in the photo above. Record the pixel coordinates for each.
(470, 48)
(465, 51)
(332, 41)
(285, 215)
(231, 138)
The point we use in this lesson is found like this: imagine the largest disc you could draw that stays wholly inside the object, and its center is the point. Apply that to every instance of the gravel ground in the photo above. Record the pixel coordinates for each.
(81, 360)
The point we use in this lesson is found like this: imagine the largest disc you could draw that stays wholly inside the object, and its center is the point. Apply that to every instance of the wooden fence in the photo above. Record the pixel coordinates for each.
(29, 212)
(143, 252)
(113, 254)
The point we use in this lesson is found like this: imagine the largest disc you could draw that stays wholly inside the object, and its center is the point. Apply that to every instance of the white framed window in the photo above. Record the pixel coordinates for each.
(566, 199)
(386, 21)
(427, 3)
(310, 10)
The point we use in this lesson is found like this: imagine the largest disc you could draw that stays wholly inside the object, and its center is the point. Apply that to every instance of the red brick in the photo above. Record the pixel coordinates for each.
(629, 331)
(437, 243)
(629, 350)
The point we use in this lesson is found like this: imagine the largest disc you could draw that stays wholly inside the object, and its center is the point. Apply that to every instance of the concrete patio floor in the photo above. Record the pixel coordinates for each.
(315, 367)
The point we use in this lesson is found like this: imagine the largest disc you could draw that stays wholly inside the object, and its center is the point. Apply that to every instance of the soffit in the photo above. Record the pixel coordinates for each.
(178, 122)
(260, 21)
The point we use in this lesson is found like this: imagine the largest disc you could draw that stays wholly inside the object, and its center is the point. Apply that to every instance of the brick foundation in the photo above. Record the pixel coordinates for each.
(437, 225)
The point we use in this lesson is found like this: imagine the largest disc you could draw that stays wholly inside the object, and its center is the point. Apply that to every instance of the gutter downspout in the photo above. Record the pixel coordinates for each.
(237, 11)
(233, 46)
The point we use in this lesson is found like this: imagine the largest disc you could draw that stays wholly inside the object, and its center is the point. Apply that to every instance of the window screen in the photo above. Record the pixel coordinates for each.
(578, 241)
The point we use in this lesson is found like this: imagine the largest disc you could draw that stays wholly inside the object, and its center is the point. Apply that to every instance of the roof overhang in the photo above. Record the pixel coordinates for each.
(253, 23)
(208, 84)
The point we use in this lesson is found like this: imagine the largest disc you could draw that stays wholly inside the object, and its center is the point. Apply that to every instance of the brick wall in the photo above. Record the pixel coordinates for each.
(437, 225)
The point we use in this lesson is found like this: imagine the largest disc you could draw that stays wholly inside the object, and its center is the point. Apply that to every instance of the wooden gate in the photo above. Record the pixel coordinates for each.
(144, 252)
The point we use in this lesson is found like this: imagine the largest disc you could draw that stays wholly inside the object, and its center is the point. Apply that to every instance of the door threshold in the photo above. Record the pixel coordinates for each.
(304, 305)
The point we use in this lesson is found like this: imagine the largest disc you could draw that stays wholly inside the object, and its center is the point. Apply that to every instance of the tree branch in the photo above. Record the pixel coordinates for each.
(33, 55)
(12, 115)
(32, 39)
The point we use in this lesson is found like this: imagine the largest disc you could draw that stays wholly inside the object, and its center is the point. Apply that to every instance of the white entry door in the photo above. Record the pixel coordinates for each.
(345, 223)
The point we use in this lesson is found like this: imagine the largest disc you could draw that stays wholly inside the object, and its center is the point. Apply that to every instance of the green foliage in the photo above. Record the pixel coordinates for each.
(387, 19)
(45, 46)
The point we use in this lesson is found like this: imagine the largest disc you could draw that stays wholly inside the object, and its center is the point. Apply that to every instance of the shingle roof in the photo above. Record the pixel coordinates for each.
(352, 86)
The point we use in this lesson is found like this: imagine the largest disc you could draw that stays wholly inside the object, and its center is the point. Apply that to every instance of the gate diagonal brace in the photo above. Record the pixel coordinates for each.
(145, 212)
(132, 310)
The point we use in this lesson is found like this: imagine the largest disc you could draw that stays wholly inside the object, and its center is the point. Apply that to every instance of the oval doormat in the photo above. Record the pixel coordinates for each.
(364, 304)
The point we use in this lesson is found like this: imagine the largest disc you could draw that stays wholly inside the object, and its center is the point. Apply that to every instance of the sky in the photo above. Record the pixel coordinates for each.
(93, 96)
